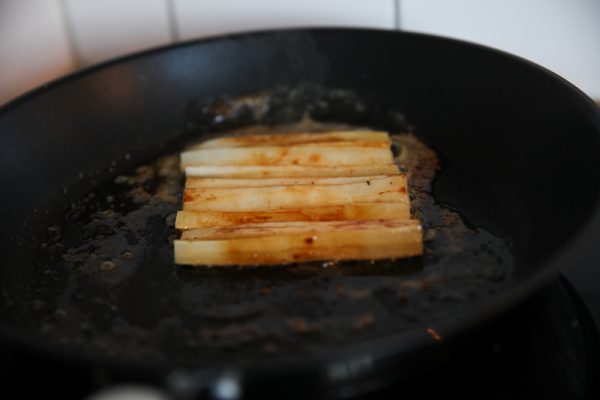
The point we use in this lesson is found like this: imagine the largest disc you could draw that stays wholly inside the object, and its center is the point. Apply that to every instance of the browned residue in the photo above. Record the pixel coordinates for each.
(265, 290)
(299, 326)
(435, 335)
(139, 195)
(430, 281)
(363, 322)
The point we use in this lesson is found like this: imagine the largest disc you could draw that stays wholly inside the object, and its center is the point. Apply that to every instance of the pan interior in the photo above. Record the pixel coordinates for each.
(104, 283)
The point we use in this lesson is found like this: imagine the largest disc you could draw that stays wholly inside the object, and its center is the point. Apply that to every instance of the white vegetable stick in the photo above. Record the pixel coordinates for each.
(193, 182)
(288, 228)
(366, 211)
(317, 154)
(270, 198)
(282, 171)
(294, 138)
(269, 245)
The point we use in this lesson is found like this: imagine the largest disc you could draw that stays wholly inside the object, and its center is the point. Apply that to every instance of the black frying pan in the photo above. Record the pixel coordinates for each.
(518, 147)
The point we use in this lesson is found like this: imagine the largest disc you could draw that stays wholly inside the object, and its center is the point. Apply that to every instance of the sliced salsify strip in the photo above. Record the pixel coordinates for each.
(290, 227)
(315, 154)
(272, 198)
(289, 171)
(279, 243)
(288, 139)
(198, 183)
(365, 211)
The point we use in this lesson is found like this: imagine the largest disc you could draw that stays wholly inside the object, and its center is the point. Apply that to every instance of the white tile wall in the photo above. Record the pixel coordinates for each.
(561, 35)
(210, 17)
(42, 39)
(109, 28)
(33, 45)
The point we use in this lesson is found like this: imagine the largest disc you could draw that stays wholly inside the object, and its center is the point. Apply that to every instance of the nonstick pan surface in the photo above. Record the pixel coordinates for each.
(87, 261)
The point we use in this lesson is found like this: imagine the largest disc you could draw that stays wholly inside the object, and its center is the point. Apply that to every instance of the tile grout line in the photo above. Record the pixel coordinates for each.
(172, 21)
(397, 19)
(68, 27)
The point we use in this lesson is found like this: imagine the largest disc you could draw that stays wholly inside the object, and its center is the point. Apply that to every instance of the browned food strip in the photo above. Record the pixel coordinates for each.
(365, 211)
(280, 243)
(315, 154)
(272, 198)
(289, 139)
(259, 182)
(288, 171)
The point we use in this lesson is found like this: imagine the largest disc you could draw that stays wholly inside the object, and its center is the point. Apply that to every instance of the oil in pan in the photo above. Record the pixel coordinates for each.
(123, 298)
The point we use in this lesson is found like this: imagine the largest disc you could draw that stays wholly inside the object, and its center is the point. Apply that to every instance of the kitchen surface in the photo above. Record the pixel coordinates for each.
(41, 40)
(548, 347)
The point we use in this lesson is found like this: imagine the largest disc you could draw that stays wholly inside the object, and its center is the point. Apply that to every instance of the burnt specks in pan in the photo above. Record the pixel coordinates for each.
(265, 290)
(108, 265)
(435, 335)
(298, 326)
(363, 322)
